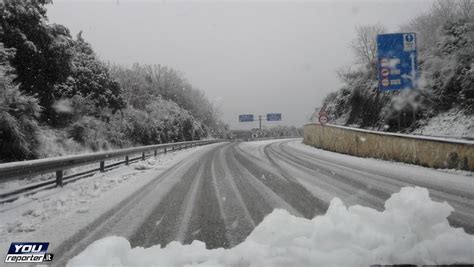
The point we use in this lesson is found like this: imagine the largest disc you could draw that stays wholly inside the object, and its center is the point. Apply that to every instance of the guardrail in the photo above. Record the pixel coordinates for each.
(57, 165)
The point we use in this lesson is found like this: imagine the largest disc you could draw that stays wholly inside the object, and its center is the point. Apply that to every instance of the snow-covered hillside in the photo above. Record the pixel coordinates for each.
(453, 124)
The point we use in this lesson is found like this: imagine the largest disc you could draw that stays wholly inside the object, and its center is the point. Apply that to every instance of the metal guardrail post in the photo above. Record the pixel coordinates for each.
(59, 178)
(60, 164)
(143, 156)
(156, 153)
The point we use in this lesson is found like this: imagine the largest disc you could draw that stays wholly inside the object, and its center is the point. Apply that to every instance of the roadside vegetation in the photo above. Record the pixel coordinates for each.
(58, 97)
(445, 37)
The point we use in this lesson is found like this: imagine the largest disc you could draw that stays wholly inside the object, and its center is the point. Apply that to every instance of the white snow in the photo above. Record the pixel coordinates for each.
(458, 180)
(63, 106)
(412, 229)
(436, 137)
(57, 214)
(256, 147)
(453, 123)
(15, 184)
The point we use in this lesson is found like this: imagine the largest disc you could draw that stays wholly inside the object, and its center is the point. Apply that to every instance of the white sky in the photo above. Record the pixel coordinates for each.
(247, 57)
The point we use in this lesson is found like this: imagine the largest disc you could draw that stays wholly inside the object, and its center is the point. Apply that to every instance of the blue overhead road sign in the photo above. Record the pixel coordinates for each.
(245, 117)
(274, 117)
(396, 61)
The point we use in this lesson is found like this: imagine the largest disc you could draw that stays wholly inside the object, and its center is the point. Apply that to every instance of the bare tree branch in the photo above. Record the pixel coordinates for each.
(365, 43)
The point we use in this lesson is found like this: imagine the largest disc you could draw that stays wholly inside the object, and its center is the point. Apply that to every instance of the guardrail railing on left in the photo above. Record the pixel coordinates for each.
(57, 165)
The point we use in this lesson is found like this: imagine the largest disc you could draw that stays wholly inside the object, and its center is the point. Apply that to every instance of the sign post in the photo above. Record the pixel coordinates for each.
(323, 115)
(396, 61)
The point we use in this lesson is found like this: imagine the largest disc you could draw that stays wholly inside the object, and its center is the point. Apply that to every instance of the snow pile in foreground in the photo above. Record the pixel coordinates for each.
(412, 229)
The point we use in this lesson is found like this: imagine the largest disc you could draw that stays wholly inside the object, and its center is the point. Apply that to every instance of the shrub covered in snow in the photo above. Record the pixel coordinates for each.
(446, 53)
(62, 89)
(18, 115)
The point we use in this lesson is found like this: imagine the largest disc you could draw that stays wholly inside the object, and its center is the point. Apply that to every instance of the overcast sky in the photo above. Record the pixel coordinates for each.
(249, 58)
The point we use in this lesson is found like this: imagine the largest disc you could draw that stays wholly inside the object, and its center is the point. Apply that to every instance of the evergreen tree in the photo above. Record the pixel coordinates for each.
(91, 79)
(43, 52)
(18, 113)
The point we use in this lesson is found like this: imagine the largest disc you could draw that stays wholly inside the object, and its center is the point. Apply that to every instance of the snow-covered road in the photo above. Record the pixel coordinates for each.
(219, 193)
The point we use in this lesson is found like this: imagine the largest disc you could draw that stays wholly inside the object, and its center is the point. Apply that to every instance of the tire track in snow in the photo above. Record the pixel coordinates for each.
(122, 219)
(230, 181)
(342, 183)
(165, 222)
(189, 204)
(322, 185)
(206, 222)
(242, 175)
(336, 172)
(254, 202)
(220, 194)
(287, 188)
(238, 221)
(383, 173)
(389, 183)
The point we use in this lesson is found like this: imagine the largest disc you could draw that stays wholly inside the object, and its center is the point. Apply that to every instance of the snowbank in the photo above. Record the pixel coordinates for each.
(412, 229)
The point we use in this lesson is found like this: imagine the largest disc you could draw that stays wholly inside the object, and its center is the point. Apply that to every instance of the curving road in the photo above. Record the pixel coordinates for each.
(220, 193)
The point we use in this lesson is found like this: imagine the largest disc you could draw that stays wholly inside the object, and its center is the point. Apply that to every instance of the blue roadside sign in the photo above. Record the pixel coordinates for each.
(245, 117)
(274, 117)
(396, 61)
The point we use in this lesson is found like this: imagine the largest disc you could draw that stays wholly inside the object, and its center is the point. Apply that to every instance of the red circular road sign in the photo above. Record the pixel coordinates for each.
(385, 72)
(323, 119)
(385, 82)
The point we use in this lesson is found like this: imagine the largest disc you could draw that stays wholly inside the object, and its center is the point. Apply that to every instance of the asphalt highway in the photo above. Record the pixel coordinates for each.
(219, 194)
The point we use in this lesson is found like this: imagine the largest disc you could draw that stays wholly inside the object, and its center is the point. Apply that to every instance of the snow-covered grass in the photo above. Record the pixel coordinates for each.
(56, 214)
(454, 124)
(450, 139)
(412, 229)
